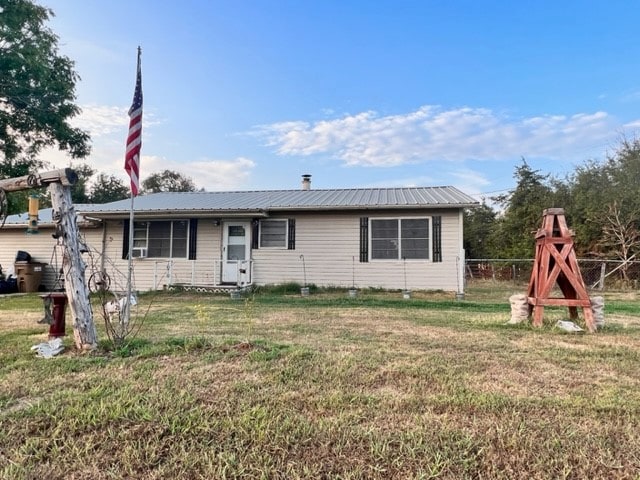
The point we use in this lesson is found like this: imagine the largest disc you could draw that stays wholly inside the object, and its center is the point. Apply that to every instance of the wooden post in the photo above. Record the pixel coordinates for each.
(603, 269)
(65, 177)
(556, 263)
(73, 268)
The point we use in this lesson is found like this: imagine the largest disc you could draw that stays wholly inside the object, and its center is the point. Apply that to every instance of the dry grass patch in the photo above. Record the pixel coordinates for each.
(286, 388)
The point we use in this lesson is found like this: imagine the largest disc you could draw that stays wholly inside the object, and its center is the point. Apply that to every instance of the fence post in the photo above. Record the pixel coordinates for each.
(603, 268)
(468, 267)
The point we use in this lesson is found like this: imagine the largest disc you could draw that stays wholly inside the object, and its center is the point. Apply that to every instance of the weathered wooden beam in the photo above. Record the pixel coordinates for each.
(65, 177)
(73, 268)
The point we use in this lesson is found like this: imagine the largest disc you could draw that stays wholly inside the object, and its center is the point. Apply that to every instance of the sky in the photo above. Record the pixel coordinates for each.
(251, 94)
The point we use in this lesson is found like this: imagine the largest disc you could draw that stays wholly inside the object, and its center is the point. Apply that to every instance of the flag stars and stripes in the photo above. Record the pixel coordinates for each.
(134, 139)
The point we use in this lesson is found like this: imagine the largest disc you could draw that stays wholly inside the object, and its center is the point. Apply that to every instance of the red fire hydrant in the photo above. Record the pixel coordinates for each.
(55, 315)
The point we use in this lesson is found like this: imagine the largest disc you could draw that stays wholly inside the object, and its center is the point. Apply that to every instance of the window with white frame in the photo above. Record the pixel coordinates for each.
(273, 233)
(161, 239)
(399, 238)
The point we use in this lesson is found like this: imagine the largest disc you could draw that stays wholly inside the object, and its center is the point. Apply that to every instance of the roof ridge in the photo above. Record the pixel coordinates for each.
(291, 190)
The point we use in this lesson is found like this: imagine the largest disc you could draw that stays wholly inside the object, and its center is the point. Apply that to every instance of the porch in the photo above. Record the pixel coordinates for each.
(215, 275)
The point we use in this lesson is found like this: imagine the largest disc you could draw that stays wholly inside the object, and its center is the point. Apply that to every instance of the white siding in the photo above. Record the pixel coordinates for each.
(331, 242)
(43, 248)
(157, 273)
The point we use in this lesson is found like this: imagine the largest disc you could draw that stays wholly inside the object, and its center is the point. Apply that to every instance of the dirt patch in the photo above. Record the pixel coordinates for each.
(17, 320)
(20, 404)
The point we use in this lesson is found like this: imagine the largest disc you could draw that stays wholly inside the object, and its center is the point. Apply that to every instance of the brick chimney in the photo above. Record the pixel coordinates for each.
(306, 182)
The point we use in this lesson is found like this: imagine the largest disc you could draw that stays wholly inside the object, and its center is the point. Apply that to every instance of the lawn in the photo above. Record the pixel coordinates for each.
(276, 386)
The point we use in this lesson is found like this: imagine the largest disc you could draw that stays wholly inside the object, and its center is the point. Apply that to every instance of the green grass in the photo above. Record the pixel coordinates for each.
(326, 386)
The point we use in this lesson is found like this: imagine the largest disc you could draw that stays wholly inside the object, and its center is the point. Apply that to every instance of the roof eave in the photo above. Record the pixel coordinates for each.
(373, 207)
(16, 226)
(118, 215)
(174, 214)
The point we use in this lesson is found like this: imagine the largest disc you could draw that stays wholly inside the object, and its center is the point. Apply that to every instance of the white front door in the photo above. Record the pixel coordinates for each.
(235, 249)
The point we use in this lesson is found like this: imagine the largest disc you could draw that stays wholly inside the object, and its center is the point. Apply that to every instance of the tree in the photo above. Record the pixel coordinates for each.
(79, 189)
(591, 190)
(108, 188)
(605, 203)
(478, 224)
(621, 235)
(523, 206)
(37, 91)
(607, 200)
(17, 201)
(168, 181)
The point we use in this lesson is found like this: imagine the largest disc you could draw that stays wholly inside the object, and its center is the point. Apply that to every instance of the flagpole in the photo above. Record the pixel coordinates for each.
(132, 166)
(127, 303)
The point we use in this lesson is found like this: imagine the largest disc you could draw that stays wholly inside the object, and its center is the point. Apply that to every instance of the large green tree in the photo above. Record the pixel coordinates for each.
(619, 215)
(605, 203)
(108, 188)
(479, 222)
(37, 91)
(168, 181)
(591, 190)
(79, 189)
(522, 213)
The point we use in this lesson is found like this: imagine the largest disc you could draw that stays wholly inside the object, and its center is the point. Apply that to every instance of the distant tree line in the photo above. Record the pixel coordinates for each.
(104, 188)
(601, 201)
(109, 188)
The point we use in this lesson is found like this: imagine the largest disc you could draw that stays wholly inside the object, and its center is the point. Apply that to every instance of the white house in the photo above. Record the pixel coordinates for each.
(392, 238)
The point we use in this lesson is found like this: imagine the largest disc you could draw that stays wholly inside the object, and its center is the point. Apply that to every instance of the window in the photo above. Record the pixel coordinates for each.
(398, 238)
(160, 239)
(273, 234)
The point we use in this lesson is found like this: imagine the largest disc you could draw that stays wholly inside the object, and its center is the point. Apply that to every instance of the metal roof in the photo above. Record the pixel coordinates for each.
(45, 217)
(263, 202)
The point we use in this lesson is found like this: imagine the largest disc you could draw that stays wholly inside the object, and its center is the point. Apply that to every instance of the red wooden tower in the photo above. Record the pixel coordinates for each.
(556, 262)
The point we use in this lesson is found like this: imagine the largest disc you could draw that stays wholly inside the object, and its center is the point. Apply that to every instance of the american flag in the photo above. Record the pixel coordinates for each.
(134, 140)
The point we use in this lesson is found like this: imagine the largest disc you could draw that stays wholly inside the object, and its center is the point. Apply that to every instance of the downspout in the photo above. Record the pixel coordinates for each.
(461, 256)
(104, 245)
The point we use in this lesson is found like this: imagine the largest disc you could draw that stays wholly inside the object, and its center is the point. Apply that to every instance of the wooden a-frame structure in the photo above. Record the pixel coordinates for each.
(556, 262)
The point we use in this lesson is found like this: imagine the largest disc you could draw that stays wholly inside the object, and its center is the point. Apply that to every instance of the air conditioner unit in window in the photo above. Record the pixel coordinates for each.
(139, 252)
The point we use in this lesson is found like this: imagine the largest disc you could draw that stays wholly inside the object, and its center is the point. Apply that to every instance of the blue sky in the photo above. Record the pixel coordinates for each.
(245, 95)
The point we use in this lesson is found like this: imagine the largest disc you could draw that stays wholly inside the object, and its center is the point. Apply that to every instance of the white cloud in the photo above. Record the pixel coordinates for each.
(431, 133)
(100, 120)
(108, 127)
(209, 174)
(104, 120)
(470, 181)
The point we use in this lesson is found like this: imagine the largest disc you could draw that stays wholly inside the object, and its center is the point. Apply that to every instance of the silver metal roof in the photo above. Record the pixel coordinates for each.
(264, 202)
(45, 217)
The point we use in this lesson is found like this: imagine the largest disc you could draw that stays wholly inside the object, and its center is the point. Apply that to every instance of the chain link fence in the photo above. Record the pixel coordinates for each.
(599, 275)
